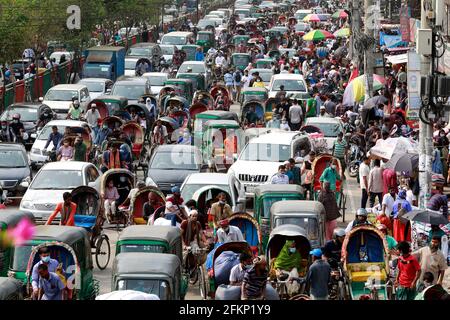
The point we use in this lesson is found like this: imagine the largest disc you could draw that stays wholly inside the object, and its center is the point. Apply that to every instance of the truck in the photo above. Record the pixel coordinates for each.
(104, 62)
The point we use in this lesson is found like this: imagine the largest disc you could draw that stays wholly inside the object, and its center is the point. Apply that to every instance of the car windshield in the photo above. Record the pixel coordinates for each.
(241, 60)
(60, 95)
(330, 130)
(204, 36)
(57, 180)
(189, 189)
(205, 23)
(157, 80)
(266, 152)
(309, 224)
(142, 248)
(175, 40)
(168, 50)
(12, 159)
(142, 52)
(269, 201)
(254, 96)
(131, 92)
(289, 85)
(175, 161)
(130, 64)
(20, 258)
(26, 114)
(196, 68)
(45, 133)
(93, 86)
(158, 287)
(265, 76)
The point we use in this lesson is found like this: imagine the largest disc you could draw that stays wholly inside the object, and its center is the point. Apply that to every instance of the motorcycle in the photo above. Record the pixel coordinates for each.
(354, 159)
(338, 282)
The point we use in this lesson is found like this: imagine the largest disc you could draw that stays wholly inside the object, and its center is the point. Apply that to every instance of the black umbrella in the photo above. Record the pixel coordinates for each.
(426, 216)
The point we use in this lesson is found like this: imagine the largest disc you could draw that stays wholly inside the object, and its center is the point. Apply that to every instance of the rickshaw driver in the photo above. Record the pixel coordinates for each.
(150, 206)
(361, 219)
(193, 237)
(52, 265)
(112, 159)
(67, 209)
(227, 233)
(126, 206)
(333, 248)
(160, 135)
(178, 201)
(252, 116)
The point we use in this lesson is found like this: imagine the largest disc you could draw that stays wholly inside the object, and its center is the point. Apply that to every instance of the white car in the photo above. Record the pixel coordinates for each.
(329, 126)
(39, 154)
(168, 51)
(197, 67)
(97, 86)
(177, 38)
(262, 156)
(131, 87)
(48, 186)
(131, 32)
(197, 183)
(293, 83)
(265, 74)
(130, 66)
(58, 54)
(157, 80)
(59, 98)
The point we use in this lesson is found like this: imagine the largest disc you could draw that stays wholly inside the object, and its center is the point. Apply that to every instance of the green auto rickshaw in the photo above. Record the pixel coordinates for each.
(147, 239)
(9, 218)
(222, 142)
(154, 273)
(10, 289)
(71, 247)
(206, 39)
(203, 117)
(237, 39)
(251, 93)
(263, 63)
(272, 34)
(197, 78)
(190, 50)
(265, 196)
(240, 60)
(183, 87)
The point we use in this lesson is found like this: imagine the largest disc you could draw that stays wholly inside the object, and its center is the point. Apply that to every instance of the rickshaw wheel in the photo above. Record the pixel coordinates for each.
(202, 282)
(102, 252)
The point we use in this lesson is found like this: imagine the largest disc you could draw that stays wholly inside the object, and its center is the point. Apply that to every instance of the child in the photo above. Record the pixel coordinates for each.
(110, 196)
(65, 152)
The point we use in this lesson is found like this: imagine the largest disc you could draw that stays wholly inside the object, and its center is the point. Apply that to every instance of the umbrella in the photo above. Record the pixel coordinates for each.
(340, 14)
(426, 216)
(341, 51)
(127, 295)
(355, 90)
(312, 18)
(342, 33)
(317, 35)
(403, 162)
(375, 101)
(386, 149)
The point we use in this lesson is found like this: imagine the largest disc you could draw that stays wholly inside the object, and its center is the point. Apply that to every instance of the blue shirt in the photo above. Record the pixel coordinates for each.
(199, 56)
(55, 138)
(52, 265)
(228, 78)
(52, 287)
(405, 205)
(290, 175)
(102, 135)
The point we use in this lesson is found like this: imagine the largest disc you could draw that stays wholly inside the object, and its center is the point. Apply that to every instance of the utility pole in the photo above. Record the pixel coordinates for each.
(354, 8)
(425, 130)
(369, 26)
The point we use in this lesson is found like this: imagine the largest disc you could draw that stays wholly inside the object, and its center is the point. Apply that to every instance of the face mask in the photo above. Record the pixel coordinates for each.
(227, 229)
(248, 267)
(105, 127)
(221, 202)
(46, 259)
(292, 250)
(333, 167)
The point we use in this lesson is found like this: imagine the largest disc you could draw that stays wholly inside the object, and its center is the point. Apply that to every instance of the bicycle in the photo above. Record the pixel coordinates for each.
(197, 273)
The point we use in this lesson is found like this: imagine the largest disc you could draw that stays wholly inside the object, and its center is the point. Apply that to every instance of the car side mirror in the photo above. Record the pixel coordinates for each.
(25, 184)
(158, 41)
(108, 90)
(41, 99)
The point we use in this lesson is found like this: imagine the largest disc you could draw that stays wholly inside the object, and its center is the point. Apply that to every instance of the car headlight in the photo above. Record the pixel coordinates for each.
(26, 179)
(27, 205)
(150, 183)
(35, 151)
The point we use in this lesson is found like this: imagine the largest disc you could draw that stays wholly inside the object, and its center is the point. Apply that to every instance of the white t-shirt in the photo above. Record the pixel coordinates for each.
(388, 200)
(237, 273)
(364, 171)
(92, 117)
(164, 130)
(410, 197)
(295, 114)
(234, 234)
(162, 222)
(220, 60)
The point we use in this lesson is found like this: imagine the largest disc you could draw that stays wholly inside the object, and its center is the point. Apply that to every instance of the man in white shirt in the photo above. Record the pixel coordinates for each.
(387, 205)
(220, 60)
(280, 177)
(227, 233)
(92, 116)
(238, 271)
(296, 115)
(364, 172)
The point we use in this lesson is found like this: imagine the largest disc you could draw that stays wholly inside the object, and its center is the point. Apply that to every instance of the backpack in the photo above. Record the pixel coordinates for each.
(237, 77)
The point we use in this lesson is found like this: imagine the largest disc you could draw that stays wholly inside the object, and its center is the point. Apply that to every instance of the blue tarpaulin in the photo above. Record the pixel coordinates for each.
(392, 41)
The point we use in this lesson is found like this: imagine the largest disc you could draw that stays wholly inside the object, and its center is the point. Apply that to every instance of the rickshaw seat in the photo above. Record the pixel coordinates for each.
(139, 221)
(360, 272)
(85, 221)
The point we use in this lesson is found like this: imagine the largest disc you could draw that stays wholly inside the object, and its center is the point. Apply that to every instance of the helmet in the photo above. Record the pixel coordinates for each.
(361, 212)
(338, 232)
(16, 116)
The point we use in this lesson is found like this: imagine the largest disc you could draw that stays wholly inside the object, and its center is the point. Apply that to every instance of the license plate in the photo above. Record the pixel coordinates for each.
(250, 189)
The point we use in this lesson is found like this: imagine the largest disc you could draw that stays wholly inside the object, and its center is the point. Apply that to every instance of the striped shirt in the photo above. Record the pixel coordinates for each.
(254, 285)
(339, 149)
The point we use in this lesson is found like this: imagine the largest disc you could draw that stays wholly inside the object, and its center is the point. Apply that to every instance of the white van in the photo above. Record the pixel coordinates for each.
(177, 38)
(293, 83)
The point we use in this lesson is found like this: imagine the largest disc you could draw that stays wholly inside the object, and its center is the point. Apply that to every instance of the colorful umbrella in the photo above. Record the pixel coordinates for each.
(312, 18)
(355, 90)
(316, 35)
(342, 33)
(340, 14)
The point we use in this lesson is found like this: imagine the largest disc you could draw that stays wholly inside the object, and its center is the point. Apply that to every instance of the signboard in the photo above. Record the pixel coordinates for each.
(414, 99)
(404, 23)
